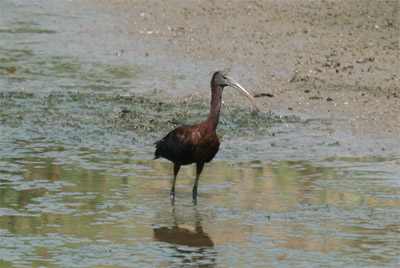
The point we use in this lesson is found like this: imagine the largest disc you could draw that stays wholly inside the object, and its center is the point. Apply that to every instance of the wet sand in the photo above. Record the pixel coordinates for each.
(330, 59)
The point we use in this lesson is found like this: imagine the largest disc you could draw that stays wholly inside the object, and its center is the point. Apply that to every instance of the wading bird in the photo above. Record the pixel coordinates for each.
(198, 143)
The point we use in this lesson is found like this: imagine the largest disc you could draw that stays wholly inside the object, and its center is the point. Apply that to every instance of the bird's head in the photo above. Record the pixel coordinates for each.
(221, 79)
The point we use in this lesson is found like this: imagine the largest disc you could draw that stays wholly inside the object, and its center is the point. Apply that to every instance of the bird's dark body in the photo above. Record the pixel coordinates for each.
(197, 143)
(188, 144)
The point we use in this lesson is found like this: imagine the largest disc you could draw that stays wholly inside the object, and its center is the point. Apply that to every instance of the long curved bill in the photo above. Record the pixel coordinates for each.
(236, 85)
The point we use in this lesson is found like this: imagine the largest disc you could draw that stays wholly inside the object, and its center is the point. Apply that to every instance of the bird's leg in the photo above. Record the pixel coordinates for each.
(177, 166)
(199, 166)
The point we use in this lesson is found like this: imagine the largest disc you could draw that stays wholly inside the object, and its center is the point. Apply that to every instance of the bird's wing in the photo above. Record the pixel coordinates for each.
(176, 146)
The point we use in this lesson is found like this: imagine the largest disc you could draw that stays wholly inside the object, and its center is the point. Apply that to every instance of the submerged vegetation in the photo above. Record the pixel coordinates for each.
(82, 113)
(150, 114)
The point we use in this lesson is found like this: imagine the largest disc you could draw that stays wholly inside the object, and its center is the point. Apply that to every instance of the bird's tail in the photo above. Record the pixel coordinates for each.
(156, 153)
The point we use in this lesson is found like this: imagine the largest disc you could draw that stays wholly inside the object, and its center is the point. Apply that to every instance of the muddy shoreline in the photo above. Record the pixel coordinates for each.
(329, 59)
(327, 62)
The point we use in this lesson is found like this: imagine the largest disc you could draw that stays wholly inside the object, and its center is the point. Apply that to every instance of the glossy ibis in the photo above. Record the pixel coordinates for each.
(198, 143)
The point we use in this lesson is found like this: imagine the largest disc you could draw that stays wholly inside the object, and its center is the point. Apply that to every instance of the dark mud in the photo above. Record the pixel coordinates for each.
(144, 115)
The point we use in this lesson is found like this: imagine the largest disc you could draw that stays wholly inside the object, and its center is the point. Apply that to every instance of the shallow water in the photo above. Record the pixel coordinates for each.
(80, 208)
(79, 188)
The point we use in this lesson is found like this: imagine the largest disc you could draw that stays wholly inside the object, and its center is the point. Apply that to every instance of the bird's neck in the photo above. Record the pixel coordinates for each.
(213, 117)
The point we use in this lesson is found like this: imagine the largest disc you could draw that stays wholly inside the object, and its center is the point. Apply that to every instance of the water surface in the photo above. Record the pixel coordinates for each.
(84, 208)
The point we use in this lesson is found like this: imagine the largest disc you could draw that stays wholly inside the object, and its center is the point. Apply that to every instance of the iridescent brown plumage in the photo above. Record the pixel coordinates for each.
(198, 143)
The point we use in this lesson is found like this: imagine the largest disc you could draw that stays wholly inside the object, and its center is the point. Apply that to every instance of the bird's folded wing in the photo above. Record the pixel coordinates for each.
(175, 146)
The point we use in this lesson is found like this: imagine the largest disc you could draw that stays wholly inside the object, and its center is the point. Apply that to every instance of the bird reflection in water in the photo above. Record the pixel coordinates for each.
(191, 246)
